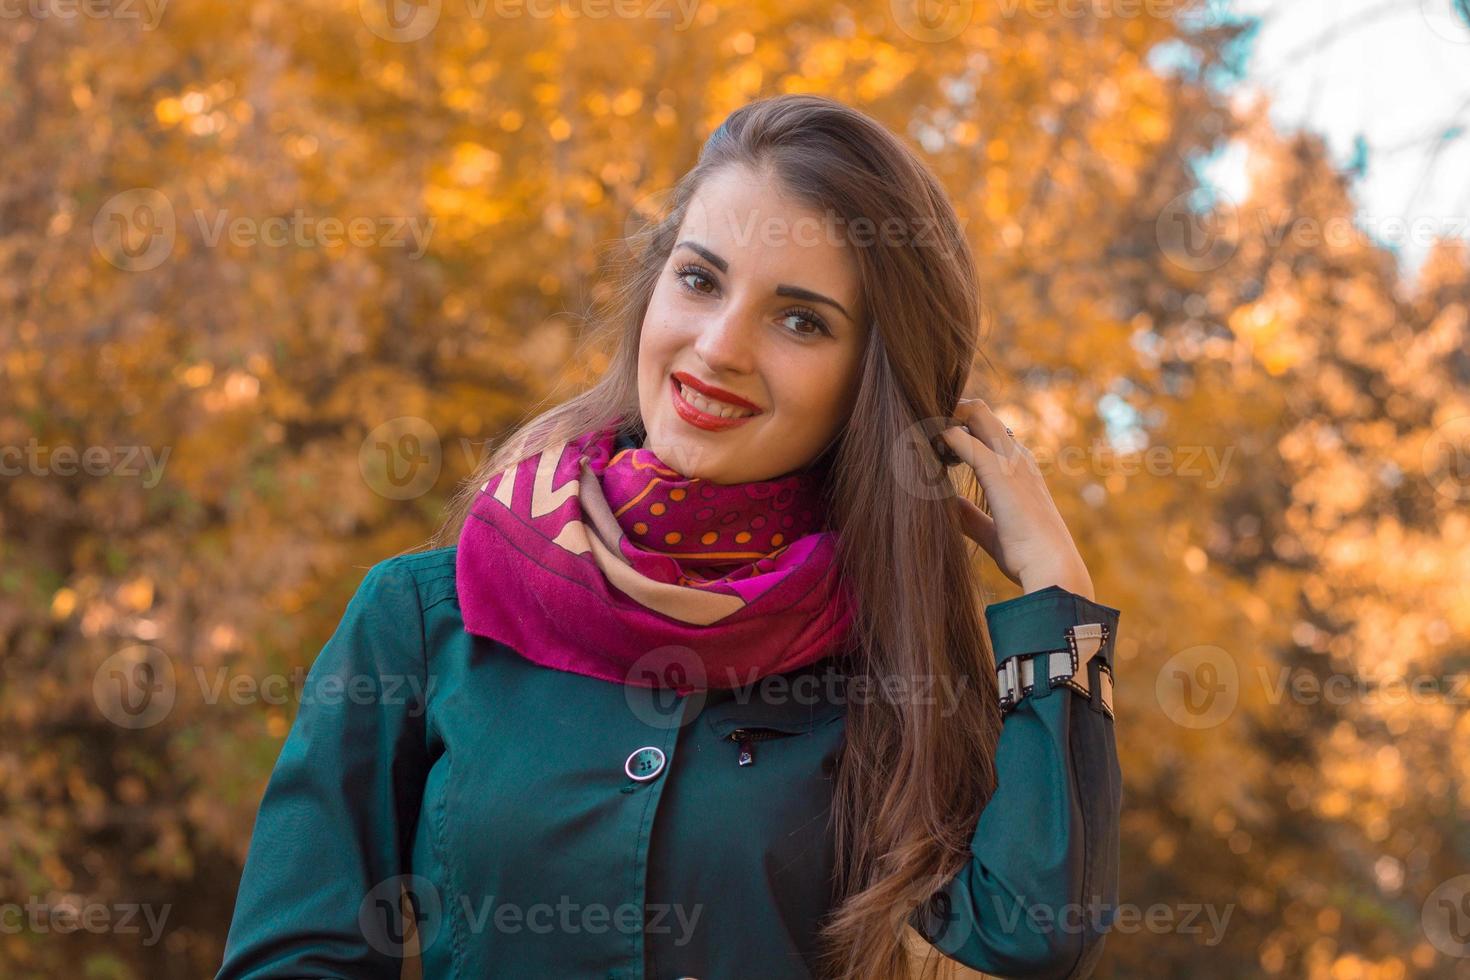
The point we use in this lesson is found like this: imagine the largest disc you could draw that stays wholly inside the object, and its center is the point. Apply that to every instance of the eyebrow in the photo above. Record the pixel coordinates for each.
(796, 292)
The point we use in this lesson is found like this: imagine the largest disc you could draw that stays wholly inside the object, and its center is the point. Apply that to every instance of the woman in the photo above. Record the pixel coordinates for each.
(693, 682)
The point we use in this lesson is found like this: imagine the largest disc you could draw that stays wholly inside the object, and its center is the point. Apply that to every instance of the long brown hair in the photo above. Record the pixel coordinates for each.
(915, 771)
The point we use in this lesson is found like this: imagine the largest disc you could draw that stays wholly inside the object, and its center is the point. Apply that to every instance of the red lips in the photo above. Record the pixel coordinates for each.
(697, 418)
(719, 394)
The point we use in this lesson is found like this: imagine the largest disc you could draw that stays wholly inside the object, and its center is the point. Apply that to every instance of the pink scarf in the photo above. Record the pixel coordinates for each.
(595, 557)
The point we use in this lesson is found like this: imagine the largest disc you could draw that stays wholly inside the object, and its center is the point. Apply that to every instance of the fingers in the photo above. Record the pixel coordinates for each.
(978, 525)
(970, 448)
(986, 446)
(986, 426)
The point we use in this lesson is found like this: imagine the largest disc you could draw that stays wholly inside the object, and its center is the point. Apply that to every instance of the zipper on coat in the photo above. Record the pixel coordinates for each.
(747, 737)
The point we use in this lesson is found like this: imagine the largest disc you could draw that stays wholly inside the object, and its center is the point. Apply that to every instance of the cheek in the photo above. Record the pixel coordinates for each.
(654, 362)
(823, 392)
(803, 389)
(652, 341)
(657, 336)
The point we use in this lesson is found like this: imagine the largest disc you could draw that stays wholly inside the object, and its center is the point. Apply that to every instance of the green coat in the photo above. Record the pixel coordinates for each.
(547, 825)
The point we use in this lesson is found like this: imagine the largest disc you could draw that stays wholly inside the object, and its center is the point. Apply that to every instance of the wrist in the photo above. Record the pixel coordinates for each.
(1073, 579)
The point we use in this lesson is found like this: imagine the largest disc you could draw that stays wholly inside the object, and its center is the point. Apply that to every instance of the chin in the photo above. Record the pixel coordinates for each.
(683, 454)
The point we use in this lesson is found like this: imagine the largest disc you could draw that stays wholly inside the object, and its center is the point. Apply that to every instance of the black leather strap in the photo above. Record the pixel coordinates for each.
(1082, 666)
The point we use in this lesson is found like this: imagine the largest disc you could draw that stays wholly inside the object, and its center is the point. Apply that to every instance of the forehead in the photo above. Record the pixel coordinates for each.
(764, 234)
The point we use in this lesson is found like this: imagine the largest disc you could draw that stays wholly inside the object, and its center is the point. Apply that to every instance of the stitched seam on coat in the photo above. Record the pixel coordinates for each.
(436, 837)
(1090, 787)
(437, 843)
(1079, 772)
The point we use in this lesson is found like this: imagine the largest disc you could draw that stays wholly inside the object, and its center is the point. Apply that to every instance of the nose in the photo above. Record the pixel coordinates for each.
(727, 340)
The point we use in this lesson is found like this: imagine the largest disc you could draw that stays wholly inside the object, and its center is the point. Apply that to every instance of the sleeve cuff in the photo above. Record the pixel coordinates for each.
(1037, 622)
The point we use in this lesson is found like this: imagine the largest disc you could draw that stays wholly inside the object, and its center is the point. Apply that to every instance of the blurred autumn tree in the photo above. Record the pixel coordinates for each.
(1254, 426)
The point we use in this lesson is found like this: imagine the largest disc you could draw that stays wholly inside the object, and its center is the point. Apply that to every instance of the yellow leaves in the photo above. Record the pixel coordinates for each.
(560, 129)
(472, 164)
(1064, 91)
(887, 67)
(168, 111)
(481, 73)
(238, 389)
(88, 801)
(461, 214)
(1334, 804)
(63, 603)
(825, 59)
(302, 146)
(1147, 121)
(1264, 327)
(588, 190)
(19, 363)
(224, 637)
(194, 375)
(996, 199)
(461, 197)
(627, 102)
(465, 99)
(1195, 560)
(391, 76)
(1163, 848)
(740, 84)
(137, 594)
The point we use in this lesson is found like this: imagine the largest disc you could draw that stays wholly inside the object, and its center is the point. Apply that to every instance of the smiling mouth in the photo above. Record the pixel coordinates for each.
(712, 406)
(704, 412)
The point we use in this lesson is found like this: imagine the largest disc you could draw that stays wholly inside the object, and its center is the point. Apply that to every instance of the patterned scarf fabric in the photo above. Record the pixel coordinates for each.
(595, 557)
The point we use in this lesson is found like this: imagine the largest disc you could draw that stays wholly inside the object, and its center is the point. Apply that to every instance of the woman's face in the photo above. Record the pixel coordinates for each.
(758, 300)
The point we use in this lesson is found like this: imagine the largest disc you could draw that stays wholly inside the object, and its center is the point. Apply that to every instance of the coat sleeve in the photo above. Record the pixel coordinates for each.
(318, 895)
(1040, 890)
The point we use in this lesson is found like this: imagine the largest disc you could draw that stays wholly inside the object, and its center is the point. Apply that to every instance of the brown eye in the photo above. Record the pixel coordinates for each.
(684, 273)
(810, 316)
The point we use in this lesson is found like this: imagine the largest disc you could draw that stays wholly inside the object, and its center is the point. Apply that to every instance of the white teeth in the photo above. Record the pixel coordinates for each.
(722, 409)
